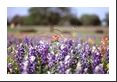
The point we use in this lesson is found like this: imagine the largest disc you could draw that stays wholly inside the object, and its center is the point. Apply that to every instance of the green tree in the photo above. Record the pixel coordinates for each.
(107, 19)
(48, 15)
(8, 22)
(75, 21)
(17, 20)
(27, 20)
(38, 15)
(87, 19)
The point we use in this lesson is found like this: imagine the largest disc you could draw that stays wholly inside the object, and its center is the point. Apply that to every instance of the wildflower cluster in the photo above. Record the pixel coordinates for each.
(66, 56)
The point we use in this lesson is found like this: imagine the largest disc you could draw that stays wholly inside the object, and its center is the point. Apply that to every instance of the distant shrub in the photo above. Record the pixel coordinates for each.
(99, 31)
(28, 30)
(87, 19)
(66, 32)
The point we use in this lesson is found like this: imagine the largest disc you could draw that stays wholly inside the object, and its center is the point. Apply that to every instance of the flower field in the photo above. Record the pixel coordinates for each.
(57, 56)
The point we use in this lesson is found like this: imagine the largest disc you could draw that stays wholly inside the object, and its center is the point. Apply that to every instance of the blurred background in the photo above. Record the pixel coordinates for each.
(69, 22)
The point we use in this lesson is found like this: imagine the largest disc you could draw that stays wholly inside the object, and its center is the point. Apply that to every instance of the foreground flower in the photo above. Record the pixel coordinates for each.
(55, 37)
(66, 56)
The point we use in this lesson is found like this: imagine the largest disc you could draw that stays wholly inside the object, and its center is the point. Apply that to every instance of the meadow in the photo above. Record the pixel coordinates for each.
(96, 33)
(66, 50)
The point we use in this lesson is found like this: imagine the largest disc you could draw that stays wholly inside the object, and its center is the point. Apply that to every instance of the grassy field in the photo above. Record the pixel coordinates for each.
(67, 32)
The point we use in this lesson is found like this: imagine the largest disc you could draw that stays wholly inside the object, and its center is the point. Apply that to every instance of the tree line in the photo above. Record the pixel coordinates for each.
(56, 16)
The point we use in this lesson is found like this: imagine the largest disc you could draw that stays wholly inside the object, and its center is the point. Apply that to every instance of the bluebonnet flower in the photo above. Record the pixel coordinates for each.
(107, 55)
(9, 68)
(20, 53)
(99, 69)
(34, 55)
(43, 49)
(27, 41)
(96, 58)
(23, 67)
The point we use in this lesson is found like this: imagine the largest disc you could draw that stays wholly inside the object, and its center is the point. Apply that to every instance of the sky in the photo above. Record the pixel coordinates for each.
(79, 11)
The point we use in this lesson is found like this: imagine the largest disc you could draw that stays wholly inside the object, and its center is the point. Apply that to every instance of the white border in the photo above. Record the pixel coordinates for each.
(61, 3)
